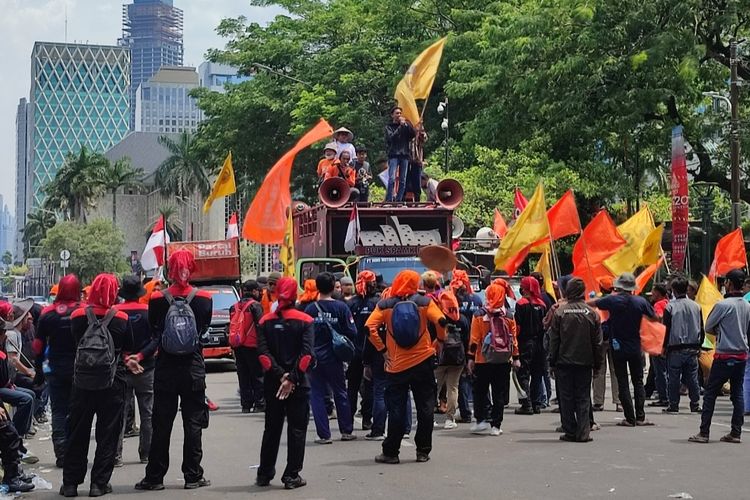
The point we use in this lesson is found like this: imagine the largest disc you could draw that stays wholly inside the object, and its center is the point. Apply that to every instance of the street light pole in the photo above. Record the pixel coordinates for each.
(734, 137)
(445, 125)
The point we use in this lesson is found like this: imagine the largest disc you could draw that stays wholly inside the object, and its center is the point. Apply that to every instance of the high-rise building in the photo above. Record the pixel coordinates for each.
(152, 29)
(21, 174)
(79, 97)
(7, 228)
(214, 76)
(163, 103)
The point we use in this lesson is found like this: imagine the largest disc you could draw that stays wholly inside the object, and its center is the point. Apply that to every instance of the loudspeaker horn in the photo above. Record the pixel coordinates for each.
(457, 227)
(334, 192)
(450, 194)
(438, 258)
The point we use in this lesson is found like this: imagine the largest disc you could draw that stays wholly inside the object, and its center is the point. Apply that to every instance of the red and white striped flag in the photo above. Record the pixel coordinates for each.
(520, 202)
(352, 231)
(233, 230)
(153, 254)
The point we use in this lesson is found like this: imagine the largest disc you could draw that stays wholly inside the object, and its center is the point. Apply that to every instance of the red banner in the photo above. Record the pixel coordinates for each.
(214, 260)
(679, 200)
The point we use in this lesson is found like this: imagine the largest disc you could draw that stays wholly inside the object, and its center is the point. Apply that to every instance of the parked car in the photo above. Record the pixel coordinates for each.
(216, 345)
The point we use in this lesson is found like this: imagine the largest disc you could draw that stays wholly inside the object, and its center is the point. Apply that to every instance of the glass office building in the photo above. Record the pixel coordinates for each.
(163, 103)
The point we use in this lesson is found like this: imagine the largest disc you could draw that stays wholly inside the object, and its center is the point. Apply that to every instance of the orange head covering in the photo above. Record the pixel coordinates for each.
(149, 287)
(286, 293)
(363, 278)
(460, 280)
(405, 284)
(449, 305)
(386, 293)
(103, 291)
(311, 292)
(494, 297)
(181, 265)
(54, 289)
(506, 286)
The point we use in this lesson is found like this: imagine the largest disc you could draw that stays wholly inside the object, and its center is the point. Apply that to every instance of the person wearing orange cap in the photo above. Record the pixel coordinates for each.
(408, 352)
(53, 292)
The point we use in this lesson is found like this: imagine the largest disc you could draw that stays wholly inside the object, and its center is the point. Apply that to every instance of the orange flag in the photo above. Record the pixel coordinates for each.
(729, 254)
(563, 217)
(499, 225)
(266, 220)
(598, 241)
(642, 279)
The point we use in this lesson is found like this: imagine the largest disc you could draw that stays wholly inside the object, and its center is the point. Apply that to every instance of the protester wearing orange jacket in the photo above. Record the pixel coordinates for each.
(409, 359)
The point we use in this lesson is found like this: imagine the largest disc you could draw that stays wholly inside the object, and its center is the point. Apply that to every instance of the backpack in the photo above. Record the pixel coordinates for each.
(95, 362)
(452, 353)
(343, 347)
(180, 335)
(239, 330)
(498, 343)
(406, 323)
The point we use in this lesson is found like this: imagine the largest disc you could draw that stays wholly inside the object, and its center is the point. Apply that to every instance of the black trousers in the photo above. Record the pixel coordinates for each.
(634, 363)
(192, 402)
(250, 376)
(296, 410)
(574, 396)
(10, 446)
(60, 387)
(496, 377)
(356, 385)
(108, 406)
(420, 379)
(531, 373)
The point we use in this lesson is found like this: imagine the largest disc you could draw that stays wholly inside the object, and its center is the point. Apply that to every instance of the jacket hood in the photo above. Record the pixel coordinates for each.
(181, 265)
(531, 286)
(69, 289)
(103, 291)
(286, 292)
(575, 290)
(494, 297)
(405, 284)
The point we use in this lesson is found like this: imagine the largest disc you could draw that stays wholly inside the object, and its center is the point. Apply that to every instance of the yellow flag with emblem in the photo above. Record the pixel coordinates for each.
(707, 297)
(286, 254)
(418, 80)
(634, 230)
(530, 229)
(545, 267)
(224, 185)
(651, 248)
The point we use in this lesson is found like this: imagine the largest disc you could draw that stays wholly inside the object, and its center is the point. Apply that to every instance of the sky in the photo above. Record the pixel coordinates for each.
(24, 22)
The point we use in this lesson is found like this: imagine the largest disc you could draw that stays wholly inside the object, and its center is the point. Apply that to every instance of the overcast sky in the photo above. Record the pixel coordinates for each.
(94, 21)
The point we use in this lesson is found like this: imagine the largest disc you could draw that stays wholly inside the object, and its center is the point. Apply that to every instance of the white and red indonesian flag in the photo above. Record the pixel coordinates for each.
(352, 231)
(153, 254)
(233, 231)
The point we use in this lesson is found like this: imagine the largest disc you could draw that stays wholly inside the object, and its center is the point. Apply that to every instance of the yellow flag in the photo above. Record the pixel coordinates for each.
(224, 185)
(707, 297)
(544, 267)
(531, 227)
(418, 80)
(286, 254)
(635, 230)
(651, 248)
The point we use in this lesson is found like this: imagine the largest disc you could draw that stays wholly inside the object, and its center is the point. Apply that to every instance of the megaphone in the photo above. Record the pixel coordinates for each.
(334, 192)
(450, 194)
(457, 227)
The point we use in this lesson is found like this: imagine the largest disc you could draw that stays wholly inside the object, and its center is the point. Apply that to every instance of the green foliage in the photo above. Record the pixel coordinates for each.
(37, 225)
(95, 247)
(77, 184)
(7, 259)
(183, 173)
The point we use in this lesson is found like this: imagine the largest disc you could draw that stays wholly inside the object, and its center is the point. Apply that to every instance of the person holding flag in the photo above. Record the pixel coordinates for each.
(398, 133)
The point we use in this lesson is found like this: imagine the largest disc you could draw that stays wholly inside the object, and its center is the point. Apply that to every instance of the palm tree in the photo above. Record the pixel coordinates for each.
(173, 225)
(77, 184)
(182, 173)
(7, 259)
(121, 175)
(35, 230)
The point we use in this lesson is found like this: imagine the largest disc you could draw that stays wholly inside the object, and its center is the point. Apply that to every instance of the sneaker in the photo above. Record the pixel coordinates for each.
(119, 462)
(323, 441)
(598, 408)
(374, 437)
(618, 407)
(524, 410)
(332, 415)
(262, 481)
(15, 485)
(348, 437)
(41, 418)
(697, 409)
(496, 431)
(659, 403)
(423, 457)
(480, 428)
(450, 424)
(29, 458)
(200, 483)
(671, 409)
(98, 490)
(147, 486)
(595, 427)
(366, 425)
(385, 459)
(698, 438)
(291, 483)
(69, 490)
(729, 438)
(644, 423)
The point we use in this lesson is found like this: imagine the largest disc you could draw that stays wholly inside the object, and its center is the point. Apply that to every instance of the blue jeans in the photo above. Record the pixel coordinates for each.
(324, 376)
(465, 398)
(724, 370)
(683, 365)
(660, 376)
(402, 164)
(23, 401)
(379, 412)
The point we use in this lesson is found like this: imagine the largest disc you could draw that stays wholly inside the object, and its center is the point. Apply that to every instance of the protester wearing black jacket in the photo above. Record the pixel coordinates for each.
(285, 347)
(249, 371)
(398, 134)
(179, 382)
(361, 305)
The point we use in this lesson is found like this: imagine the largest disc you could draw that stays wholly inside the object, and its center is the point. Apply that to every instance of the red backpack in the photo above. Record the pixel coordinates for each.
(498, 343)
(242, 326)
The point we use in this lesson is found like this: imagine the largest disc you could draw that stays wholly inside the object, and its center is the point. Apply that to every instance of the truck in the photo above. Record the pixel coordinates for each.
(217, 270)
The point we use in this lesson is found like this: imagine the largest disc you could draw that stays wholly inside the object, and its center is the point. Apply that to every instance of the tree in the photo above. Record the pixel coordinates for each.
(95, 247)
(37, 225)
(7, 259)
(182, 173)
(121, 174)
(173, 225)
(77, 184)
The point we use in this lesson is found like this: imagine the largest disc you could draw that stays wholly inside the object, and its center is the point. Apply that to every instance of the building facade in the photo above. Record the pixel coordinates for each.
(7, 229)
(152, 30)
(163, 103)
(215, 76)
(21, 174)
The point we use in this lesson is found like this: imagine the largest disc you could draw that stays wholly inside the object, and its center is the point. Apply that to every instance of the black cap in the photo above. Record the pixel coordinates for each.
(131, 288)
(250, 286)
(737, 277)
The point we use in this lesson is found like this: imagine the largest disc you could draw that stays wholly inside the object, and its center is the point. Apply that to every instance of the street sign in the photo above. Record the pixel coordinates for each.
(34, 262)
(64, 254)
(64, 263)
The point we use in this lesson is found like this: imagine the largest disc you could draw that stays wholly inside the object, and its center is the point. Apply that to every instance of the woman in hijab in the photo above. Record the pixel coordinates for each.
(529, 317)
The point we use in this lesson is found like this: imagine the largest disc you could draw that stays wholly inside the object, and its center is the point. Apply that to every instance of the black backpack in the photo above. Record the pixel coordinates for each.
(452, 353)
(95, 362)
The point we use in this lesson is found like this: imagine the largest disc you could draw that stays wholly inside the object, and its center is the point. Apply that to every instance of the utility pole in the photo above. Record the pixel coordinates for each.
(734, 135)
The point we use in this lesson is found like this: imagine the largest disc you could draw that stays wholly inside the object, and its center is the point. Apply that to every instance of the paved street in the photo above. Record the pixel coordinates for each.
(527, 462)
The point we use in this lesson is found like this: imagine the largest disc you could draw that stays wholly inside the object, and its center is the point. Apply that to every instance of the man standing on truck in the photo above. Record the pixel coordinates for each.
(408, 354)
(245, 343)
(398, 133)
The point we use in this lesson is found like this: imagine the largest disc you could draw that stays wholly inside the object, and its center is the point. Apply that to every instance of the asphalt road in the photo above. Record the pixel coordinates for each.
(526, 462)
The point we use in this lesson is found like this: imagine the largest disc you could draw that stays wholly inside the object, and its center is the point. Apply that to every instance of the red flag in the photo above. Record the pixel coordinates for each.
(153, 254)
(679, 200)
(642, 279)
(232, 228)
(729, 254)
(266, 219)
(599, 240)
(520, 203)
(499, 225)
(563, 217)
